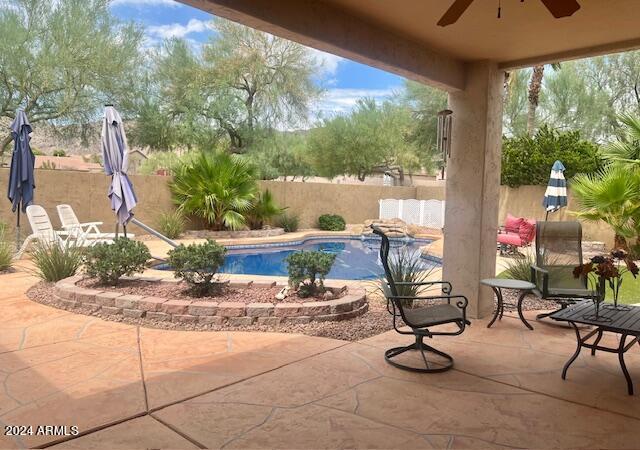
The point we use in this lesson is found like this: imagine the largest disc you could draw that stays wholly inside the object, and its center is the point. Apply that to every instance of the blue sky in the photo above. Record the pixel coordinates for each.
(344, 80)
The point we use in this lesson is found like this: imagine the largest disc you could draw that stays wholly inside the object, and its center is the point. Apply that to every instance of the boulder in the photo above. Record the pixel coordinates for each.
(391, 227)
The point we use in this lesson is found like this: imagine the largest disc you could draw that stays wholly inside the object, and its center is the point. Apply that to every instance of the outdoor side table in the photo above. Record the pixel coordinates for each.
(626, 323)
(497, 284)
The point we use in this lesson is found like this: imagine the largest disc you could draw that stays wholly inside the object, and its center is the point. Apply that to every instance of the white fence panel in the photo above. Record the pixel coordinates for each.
(427, 213)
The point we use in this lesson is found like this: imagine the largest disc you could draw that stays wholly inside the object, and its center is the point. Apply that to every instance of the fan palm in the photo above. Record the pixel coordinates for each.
(264, 208)
(613, 196)
(625, 151)
(218, 187)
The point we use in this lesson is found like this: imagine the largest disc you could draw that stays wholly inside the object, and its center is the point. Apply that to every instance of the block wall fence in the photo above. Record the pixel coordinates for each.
(86, 192)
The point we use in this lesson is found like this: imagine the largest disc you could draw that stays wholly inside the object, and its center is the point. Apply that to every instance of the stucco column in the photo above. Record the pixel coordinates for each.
(473, 186)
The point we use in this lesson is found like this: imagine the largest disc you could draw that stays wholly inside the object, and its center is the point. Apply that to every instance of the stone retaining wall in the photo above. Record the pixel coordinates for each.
(351, 304)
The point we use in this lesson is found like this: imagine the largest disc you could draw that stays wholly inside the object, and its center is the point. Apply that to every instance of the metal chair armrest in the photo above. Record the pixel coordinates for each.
(445, 284)
(535, 270)
(462, 303)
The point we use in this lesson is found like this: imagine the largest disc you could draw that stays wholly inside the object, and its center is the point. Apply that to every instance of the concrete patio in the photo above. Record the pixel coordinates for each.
(131, 387)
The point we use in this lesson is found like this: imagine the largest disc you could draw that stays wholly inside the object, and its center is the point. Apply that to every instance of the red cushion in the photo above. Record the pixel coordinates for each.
(512, 223)
(509, 239)
(527, 230)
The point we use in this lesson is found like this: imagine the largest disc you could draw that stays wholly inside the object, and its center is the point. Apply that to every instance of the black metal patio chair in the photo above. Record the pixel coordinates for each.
(439, 310)
(558, 252)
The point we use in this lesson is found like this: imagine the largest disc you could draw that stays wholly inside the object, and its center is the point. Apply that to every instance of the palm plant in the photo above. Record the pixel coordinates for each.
(218, 187)
(264, 208)
(613, 196)
(625, 150)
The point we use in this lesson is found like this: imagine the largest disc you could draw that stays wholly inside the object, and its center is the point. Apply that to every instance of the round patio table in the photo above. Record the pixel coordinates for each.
(497, 284)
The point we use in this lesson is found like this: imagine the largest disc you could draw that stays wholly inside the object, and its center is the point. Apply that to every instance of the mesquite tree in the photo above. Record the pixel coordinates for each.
(60, 61)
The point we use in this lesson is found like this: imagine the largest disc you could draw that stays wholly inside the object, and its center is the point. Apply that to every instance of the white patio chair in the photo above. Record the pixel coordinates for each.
(88, 230)
(43, 232)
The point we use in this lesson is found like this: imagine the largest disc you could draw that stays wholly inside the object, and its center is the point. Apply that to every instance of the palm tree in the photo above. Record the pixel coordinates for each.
(263, 209)
(535, 86)
(218, 187)
(625, 150)
(613, 196)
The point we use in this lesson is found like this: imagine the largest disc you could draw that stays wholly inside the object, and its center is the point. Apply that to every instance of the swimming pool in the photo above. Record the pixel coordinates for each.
(357, 258)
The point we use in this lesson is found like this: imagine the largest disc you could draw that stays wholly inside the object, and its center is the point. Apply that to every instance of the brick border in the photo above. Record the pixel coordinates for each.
(352, 303)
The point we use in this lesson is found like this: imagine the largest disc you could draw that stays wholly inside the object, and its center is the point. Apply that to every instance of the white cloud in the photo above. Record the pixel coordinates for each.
(170, 3)
(178, 30)
(328, 62)
(339, 101)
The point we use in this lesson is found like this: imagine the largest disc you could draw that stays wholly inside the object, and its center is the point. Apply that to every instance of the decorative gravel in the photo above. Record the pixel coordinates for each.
(375, 321)
(180, 291)
(530, 302)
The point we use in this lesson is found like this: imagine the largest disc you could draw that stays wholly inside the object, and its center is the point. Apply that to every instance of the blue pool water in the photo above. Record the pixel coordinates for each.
(357, 259)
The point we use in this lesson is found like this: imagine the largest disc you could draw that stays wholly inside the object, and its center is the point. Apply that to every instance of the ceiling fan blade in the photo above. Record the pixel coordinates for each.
(561, 8)
(454, 12)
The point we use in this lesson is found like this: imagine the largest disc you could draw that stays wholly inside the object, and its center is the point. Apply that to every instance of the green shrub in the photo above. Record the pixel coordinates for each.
(519, 268)
(408, 266)
(36, 152)
(6, 249)
(55, 262)
(168, 161)
(218, 187)
(108, 262)
(528, 160)
(288, 222)
(331, 222)
(197, 264)
(262, 210)
(307, 271)
(171, 224)
(59, 152)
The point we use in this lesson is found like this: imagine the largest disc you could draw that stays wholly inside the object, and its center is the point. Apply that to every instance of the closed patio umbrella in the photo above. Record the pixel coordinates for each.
(115, 154)
(555, 197)
(21, 177)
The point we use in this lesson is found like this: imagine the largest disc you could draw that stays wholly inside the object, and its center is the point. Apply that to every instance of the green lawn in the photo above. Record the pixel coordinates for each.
(629, 291)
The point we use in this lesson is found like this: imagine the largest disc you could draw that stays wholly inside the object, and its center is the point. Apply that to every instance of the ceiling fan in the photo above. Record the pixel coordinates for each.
(559, 8)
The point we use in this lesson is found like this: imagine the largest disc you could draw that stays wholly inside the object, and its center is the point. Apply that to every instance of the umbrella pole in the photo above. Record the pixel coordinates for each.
(546, 216)
(18, 229)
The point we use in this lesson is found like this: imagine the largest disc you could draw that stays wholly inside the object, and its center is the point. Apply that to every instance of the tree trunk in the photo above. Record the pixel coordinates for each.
(4, 145)
(535, 84)
(619, 242)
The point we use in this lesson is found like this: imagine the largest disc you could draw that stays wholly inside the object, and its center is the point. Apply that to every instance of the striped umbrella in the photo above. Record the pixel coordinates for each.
(555, 197)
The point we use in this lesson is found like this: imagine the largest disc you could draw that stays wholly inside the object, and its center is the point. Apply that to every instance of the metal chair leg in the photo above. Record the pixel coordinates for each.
(424, 349)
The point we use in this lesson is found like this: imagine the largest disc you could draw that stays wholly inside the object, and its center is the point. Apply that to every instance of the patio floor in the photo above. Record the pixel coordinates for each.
(131, 387)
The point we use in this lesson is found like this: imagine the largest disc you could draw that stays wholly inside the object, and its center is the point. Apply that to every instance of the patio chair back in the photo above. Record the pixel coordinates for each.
(385, 248)
(41, 225)
(67, 216)
(559, 251)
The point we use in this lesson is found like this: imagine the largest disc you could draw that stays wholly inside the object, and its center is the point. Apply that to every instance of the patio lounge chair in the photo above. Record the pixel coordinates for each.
(88, 230)
(516, 233)
(439, 310)
(44, 232)
(558, 252)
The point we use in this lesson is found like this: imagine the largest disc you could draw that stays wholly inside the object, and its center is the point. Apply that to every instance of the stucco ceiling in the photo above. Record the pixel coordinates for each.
(525, 31)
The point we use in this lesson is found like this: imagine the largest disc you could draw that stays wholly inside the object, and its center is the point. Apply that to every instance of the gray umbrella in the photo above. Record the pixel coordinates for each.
(115, 154)
(21, 178)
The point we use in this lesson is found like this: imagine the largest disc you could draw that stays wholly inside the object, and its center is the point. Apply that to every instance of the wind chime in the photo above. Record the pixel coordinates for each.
(444, 137)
